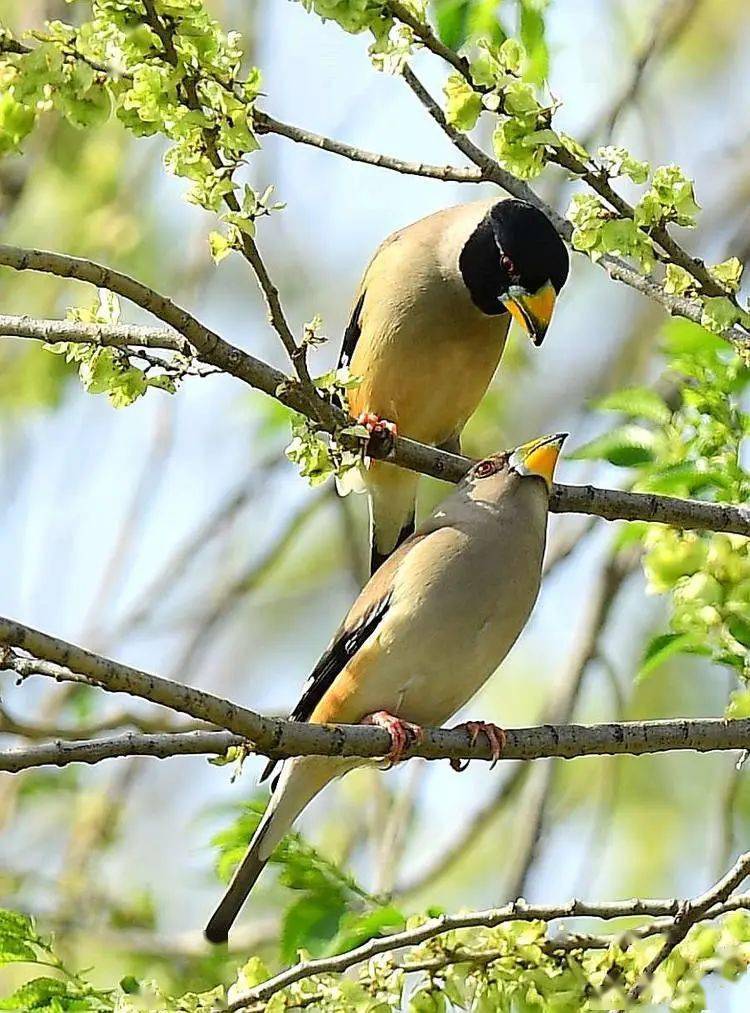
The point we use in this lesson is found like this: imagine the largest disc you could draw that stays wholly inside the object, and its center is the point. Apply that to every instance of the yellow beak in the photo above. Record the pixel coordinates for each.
(532, 311)
(539, 457)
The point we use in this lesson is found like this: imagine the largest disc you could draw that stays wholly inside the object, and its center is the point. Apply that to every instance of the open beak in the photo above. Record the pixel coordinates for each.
(532, 311)
(539, 457)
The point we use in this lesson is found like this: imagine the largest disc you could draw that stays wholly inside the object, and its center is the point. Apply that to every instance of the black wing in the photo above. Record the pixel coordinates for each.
(340, 651)
(351, 334)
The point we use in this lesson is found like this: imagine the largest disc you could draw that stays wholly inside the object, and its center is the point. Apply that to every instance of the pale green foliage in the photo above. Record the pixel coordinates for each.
(318, 455)
(192, 92)
(670, 199)
(619, 162)
(496, 970)
(328, 911)
(677, 280)
(598, 230)
(523, 133)
(393, 41)
(728, 273)
(462, 104)
(694, 450)
(110, 371)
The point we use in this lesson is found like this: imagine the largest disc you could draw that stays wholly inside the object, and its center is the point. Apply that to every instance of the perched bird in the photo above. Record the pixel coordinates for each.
(423, 636)
(428, 328)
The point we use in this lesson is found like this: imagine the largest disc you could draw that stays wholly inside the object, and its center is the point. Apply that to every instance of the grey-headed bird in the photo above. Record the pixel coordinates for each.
(424, 635)
(428, 327)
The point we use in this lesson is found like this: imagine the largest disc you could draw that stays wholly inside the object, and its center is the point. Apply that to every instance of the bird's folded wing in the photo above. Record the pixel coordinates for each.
(354, 327)
(364, 617)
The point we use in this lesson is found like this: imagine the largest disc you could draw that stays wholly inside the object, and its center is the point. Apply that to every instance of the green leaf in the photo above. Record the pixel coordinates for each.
(520, 99)
(219, 245)
(310, 923)
(678, 281)
(719, 313)
(461, 20)
(357, 928)
(252, 974)
(619, 162)
(512, 150)
(85, 109)
(687, 478)
(588, 216)
(637, 402)
(740, 629)
(16, 121)
(463, 104)
(627, 447)
(574, 147)
(728, 273)
(739, 704)
(674, 192)
(664, 647)
(162, 382)
(683, 337)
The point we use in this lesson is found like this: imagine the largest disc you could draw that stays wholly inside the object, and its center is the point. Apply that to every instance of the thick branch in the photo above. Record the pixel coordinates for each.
(636, 738)
(279, 738)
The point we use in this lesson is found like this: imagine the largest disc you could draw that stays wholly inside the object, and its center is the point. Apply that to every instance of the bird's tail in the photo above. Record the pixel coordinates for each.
(393, 493)
(300, 781)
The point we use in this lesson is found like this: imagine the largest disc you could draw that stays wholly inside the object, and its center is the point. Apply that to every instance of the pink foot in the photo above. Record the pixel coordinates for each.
(382, 433)
(403, 734)
(375, 425)
(495, 736)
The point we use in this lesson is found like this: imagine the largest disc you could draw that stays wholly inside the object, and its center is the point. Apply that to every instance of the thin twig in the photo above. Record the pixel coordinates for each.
(689, 914)
(266, 124)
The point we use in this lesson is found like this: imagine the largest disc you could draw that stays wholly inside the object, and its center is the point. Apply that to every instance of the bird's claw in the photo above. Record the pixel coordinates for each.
(495, 736)
(382, 432)
(403, 734)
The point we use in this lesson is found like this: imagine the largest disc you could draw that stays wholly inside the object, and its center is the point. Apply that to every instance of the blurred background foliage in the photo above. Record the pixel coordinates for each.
(175, 536)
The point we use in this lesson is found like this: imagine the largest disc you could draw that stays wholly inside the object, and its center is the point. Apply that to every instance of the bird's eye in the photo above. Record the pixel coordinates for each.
(485, 468)
(508, 264)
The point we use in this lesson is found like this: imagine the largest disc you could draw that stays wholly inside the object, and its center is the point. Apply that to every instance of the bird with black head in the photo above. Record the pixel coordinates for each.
(428, 328)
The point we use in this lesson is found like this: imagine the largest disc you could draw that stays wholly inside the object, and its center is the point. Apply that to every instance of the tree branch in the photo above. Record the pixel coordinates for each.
(60, 753)
(689, 914)
(517, 911)
(209, 346)
(611, 504)
(274, 737)
(266, 124)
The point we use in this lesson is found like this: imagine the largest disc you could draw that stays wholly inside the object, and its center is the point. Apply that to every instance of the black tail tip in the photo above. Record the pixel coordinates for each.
(216, 934)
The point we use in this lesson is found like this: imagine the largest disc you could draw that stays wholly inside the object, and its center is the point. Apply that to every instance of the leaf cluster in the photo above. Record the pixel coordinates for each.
(691, 449)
